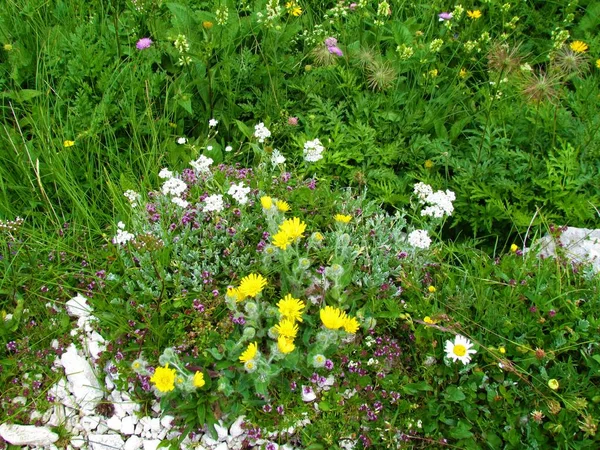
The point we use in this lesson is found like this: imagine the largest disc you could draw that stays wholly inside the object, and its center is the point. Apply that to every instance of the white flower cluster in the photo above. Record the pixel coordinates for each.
(419, 239)
(174, 186)
(180, 202)
(123, 236)
(182, 140)
(261, 132)
(239, 192)
(439, 202)
(277, 158)
(133, 197)
(165, 174)
(202, 164)
(213, 203)
(212, 123)
(313, 150)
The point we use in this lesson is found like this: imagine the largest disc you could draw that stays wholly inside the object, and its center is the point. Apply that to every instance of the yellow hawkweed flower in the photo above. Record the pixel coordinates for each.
(199, 379)
(502, 350)
(250, 352)
(598, 63)
(234, 294)
(429, 320)
(463, 73)
(351, 325)
(431, 289)
(283, 206)
(332, 318)
(281, 240)
(579, 46)
(285, 345)
(514, 248)
(342, 218)
(287, 328)
(293, 228)
(317, 236)
(428, 164)
(68, 144)
(474, 14)
(164, 378)
(207, 25)
(266, 202)
(252, 285)
(553, 384)
(291, 308)
(293, 9)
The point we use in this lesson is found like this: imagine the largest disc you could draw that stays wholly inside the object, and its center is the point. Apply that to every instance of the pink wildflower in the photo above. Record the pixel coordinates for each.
(143, 43)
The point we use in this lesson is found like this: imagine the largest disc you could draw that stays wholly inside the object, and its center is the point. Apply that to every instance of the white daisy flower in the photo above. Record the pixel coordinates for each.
(461, 349)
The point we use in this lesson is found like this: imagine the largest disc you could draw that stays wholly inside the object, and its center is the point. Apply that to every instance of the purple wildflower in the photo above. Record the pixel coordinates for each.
(143, 43)
(335, 50)
(445, 16)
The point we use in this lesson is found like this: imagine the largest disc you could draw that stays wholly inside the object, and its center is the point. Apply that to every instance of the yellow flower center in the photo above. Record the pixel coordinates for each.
(460, 350)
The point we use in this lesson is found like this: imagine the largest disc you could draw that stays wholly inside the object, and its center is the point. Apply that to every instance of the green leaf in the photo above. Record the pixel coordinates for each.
(324, 406)
(413, 388)
(201, 413)
(454, 394)
(461, 431)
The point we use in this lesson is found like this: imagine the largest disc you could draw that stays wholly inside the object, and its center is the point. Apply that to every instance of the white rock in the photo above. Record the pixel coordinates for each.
(20, 400)
(77, 441)
(125, 406)
(58, 416)
(102, 428)
(166, 421)
(578, 244)
(155, 425)
(35, 415)
(236, 429)
(133, 443)
(128, 425)
(78, 306)
(105, 441)
(95, 348)
(221, 432)
(222, 446)
(109, 383)
(89, 423)
(83, 384)
(114, 423)
(151, 444)
(27, 435)
(156, 407)
(208, 441)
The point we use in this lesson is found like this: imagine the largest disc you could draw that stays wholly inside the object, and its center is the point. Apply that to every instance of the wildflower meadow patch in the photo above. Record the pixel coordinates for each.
(298, 224)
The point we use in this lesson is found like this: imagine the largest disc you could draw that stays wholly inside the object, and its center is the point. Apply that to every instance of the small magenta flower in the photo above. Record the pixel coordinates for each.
(335, 50)
(331, 42)
(143, 43)
(292, 121)
(445, 16)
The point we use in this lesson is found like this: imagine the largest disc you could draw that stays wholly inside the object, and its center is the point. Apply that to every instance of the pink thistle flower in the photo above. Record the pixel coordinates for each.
(143, 43)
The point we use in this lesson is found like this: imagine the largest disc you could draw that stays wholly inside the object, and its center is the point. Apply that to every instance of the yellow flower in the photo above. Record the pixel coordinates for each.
(431, 289)
(283, 206)
(250, 352)
(598, 63)
(285, 345)
(579, 46)
(293, 228)
(502, 350)
(342, 218)
(463, 73)
(317, 236)
(474, 14)
(553, 384)
(514, 248)
(332, 318)
(428, 164)
(207, 25)
(68, 143)
(429, 320)
(287, 328)
(293, 9)
(281, 240)
(8, 47)
(234, 294)
(351, 325)
(252, 285)
(199, 380)
(164, 378)
(291, 308)
(266, 202)
(433, 73)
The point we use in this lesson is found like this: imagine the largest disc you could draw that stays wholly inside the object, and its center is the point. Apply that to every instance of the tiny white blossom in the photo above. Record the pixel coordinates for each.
(209, 148)
(239, 192)
(165, 173)
(308, 394)
(277, 158)
(181, 140)
(122, 236)
(213, 203)
(212, 123)
(261, 132)
(180, 202)
(133, 197)
(228, 148)
(419, 239)
(202, 164)
(174, 186)
(313, 150)
(422, 190)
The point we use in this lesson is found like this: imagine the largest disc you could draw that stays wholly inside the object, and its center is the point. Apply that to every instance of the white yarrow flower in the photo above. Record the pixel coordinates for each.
(122, 236)
(213, 203)
(460, 350)
(313, 150)
(277, 158)
(165, 173)
(239, 192)
(422, 190)
(180, 202)
(133, 197)
(212, 123)
(202, 164)
(261, 132)
(174, 187)
(419, 239)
